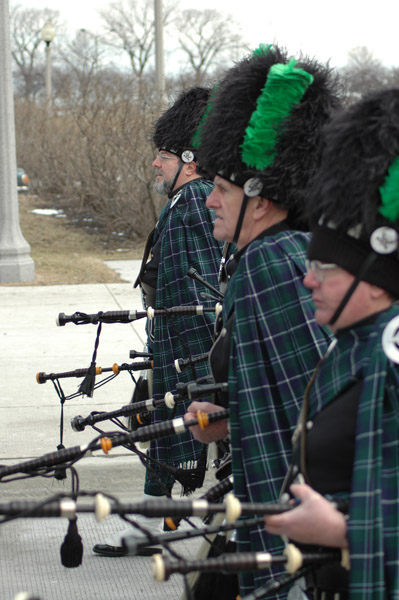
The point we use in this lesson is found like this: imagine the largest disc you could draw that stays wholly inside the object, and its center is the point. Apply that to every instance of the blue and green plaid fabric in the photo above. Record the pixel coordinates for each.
(186, 226)
(373, 526)
(275, 347)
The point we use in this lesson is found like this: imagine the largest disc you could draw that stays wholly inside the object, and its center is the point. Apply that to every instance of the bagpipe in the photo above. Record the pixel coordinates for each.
(141, 406)
(292, 558)
(295, 560)
(102, 507)
(189, 391)
(185, 391)
(42, 377)
(122, 316)
(90, 374)
(128, 316)
(106, 443)
(230, 510)
(190, 476)
(138, 418)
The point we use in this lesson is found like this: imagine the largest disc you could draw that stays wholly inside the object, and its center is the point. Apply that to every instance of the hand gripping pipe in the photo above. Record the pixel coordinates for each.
(191, 391)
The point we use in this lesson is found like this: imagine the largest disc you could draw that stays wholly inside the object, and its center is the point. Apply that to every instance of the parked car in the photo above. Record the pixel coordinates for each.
(22, 180)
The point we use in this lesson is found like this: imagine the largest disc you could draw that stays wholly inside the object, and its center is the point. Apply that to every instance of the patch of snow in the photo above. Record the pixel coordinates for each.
(51, 212)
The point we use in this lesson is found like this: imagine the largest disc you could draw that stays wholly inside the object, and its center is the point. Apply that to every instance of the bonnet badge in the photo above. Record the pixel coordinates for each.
(390, 340)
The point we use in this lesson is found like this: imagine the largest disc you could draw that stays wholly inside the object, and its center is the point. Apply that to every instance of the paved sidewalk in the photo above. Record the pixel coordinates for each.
(31, 342)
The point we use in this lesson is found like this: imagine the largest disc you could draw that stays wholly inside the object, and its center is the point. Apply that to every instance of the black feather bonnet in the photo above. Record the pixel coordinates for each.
(174, 129)
(355, 196)
(295, 155)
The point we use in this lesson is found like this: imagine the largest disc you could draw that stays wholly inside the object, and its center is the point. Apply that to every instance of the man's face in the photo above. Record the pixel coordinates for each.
(225, 199)
(328, 292)
(166, 165)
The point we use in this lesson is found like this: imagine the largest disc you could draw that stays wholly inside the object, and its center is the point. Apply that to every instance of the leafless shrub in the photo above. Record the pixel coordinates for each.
(96, 153)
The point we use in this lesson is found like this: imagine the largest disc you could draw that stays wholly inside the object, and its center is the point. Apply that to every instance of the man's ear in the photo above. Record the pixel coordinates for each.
(191, 168)
(261, 207)
(376, 292)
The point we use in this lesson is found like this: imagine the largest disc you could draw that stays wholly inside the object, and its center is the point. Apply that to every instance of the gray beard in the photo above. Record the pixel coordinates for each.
(163, 187)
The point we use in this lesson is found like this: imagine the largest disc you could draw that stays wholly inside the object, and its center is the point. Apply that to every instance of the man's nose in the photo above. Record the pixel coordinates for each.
(157, 162)
(310, 281)
(212, 200)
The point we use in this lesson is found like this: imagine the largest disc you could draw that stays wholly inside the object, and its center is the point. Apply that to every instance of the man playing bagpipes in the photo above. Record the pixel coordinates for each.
(262, 144)
(346, 442)
(182, 239)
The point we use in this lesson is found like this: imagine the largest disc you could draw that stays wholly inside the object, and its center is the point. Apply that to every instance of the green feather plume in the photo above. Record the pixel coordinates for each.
(389, 193)
(284, 88)
(196, 140)
(262, 49)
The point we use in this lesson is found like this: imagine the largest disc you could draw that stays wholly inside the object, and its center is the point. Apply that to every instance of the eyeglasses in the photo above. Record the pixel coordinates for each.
(319, 268)
(165, 156)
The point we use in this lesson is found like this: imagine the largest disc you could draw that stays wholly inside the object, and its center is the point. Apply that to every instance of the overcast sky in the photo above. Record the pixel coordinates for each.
(326, 30)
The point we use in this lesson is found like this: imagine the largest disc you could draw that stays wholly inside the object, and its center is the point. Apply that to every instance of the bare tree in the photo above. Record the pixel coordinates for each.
(393, 77)
(208, 40)
(26, 45)
(363, 73)
(83, 60)
(129, 28)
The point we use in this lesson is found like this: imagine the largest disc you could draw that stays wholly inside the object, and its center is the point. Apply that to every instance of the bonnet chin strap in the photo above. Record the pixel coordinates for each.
(176, 177)
(252, 187)
(363, 270)
(240, 218)
(184, 157)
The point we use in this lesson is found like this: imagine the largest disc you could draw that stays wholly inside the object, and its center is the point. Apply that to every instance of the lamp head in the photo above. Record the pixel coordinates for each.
(48, 33)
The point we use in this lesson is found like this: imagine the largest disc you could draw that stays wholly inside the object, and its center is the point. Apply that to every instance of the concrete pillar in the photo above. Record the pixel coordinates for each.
(15, 262)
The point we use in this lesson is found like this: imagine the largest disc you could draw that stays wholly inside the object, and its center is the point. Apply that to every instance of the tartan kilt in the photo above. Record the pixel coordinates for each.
(187, 241)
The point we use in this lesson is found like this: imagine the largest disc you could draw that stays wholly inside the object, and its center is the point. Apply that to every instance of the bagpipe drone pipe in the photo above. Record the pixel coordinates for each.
(297, 563)
(125, 316)
(103, 505)
(182, 363)
(128, 316)
(42, 377)
(115, 370)
(184, 391)
(294, 559)
(107, 442)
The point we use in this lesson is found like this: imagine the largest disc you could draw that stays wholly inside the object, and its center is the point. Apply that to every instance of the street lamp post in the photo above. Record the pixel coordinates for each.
(48, 33)
(159, 62)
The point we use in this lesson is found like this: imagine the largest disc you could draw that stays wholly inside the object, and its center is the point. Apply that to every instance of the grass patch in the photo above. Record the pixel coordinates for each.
(71, 249)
